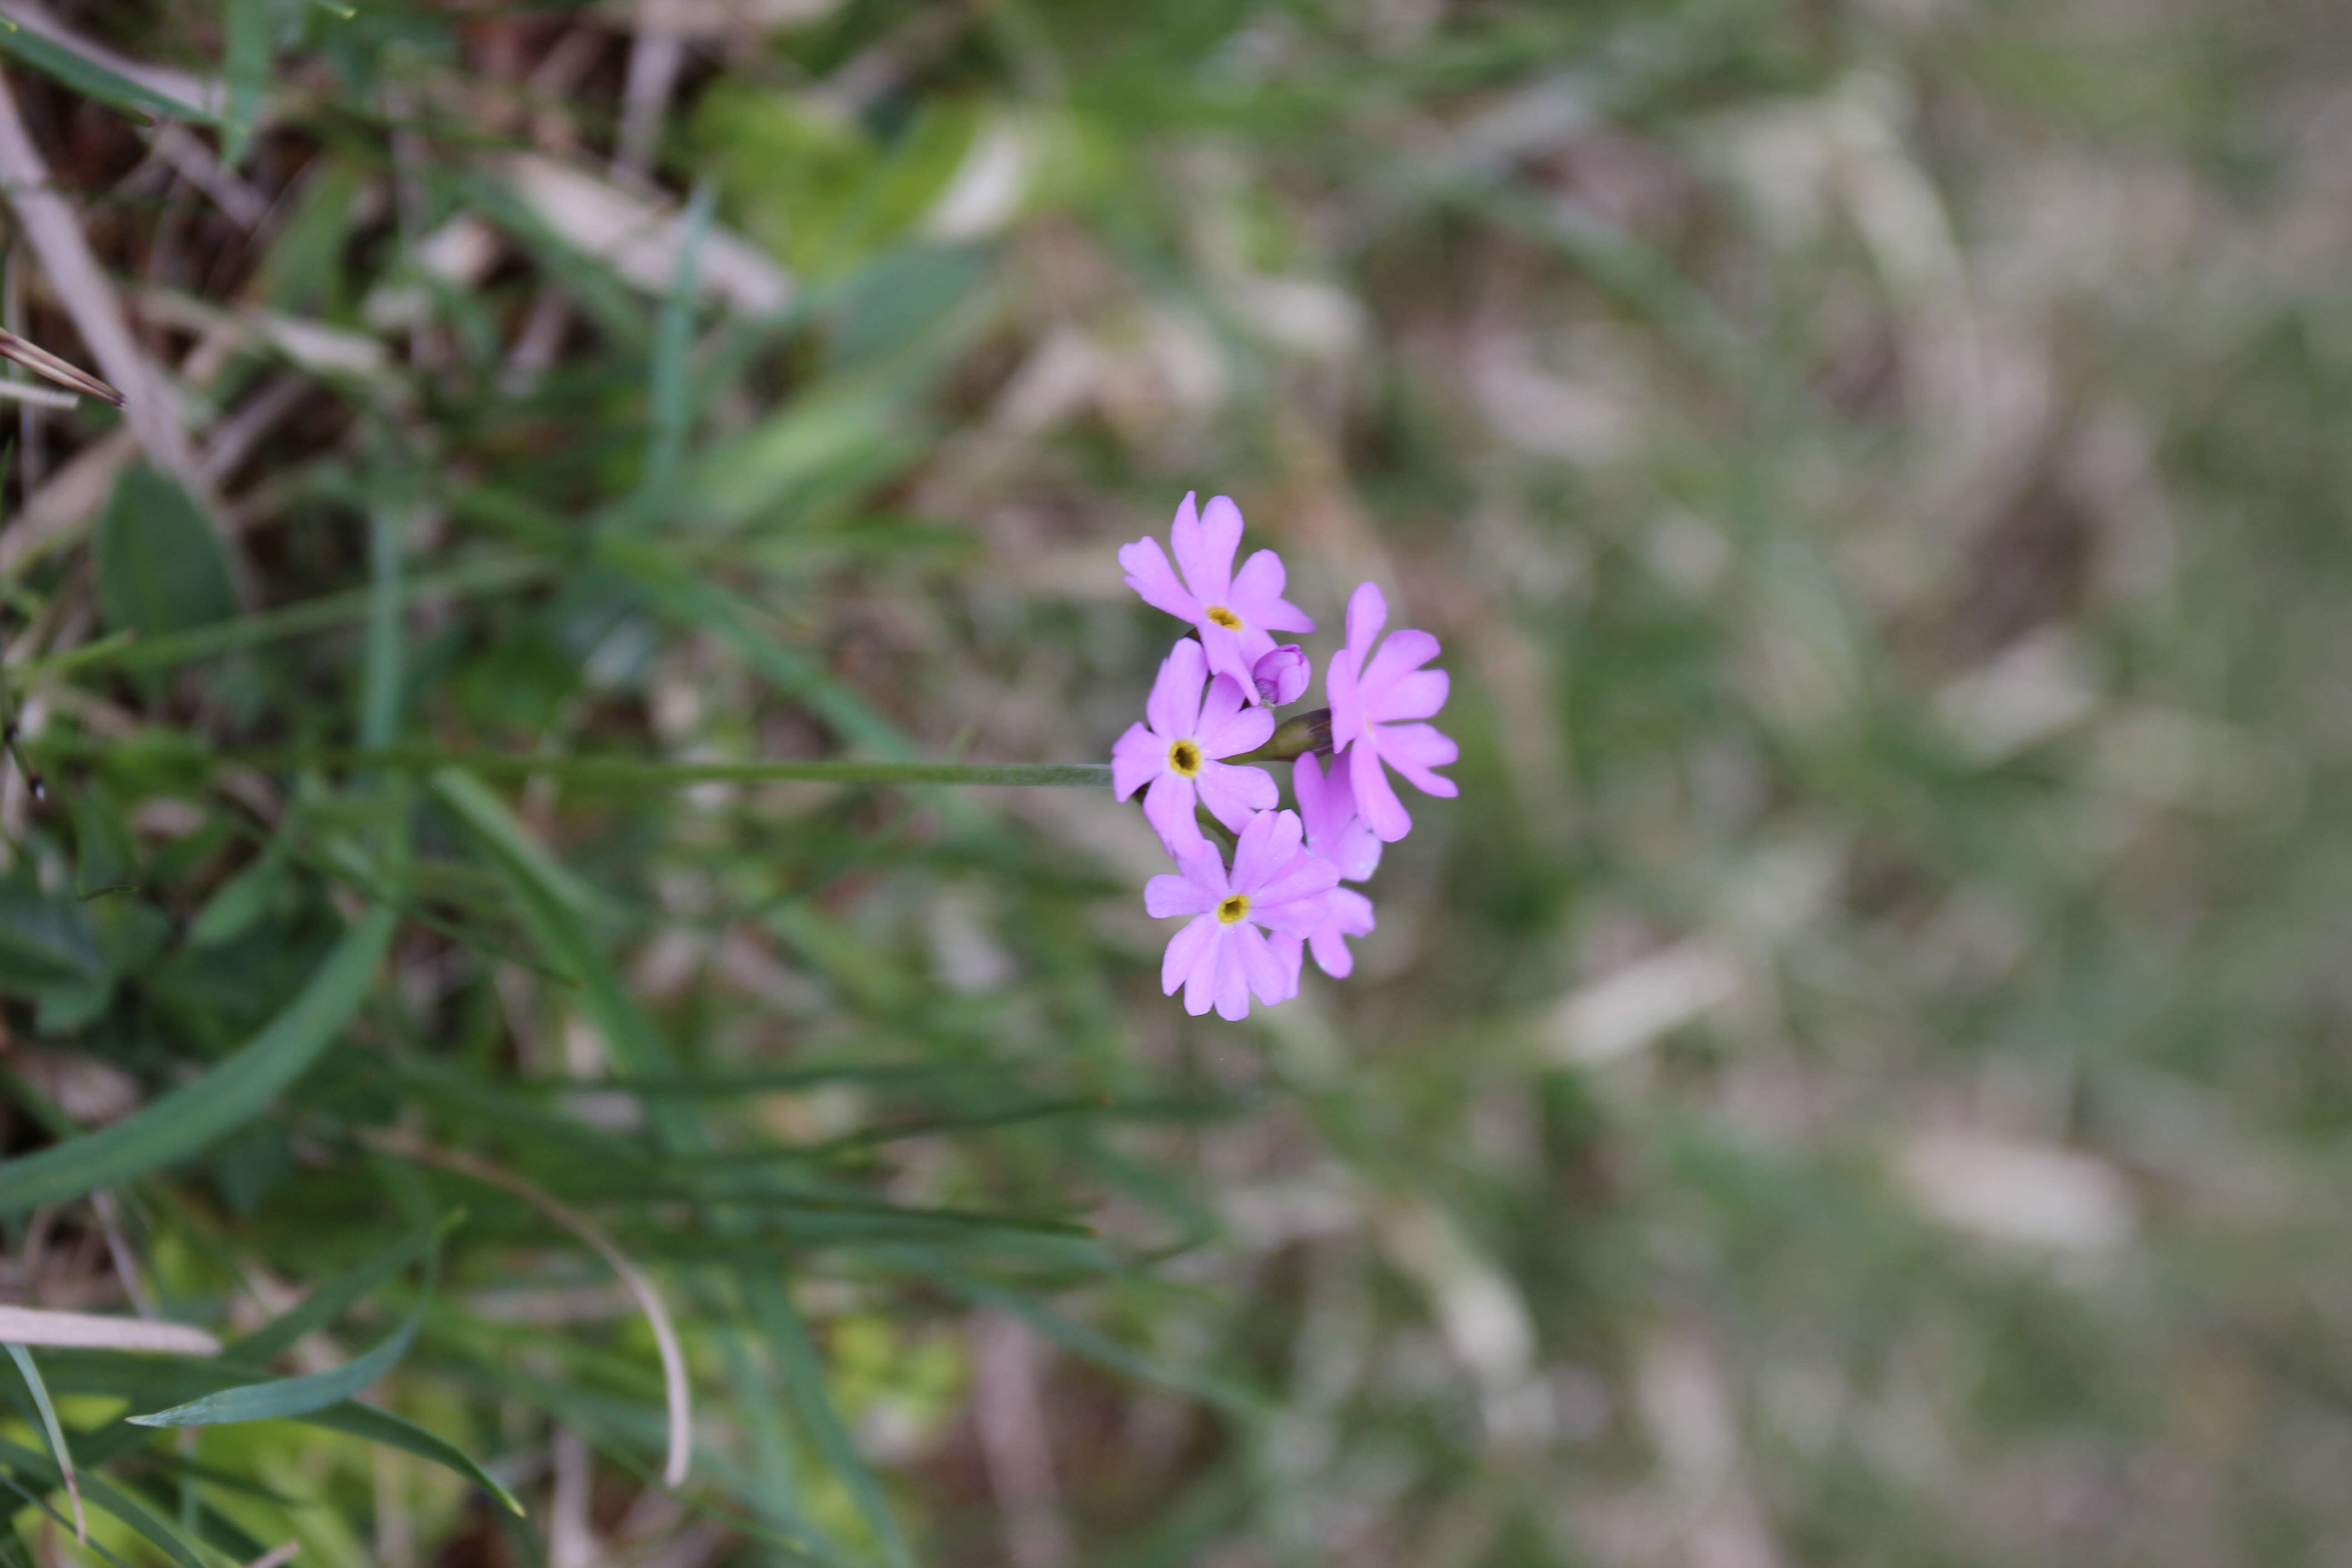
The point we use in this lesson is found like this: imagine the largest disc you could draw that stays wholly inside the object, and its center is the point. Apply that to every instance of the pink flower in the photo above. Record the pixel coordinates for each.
(1348, 913)
(1236, 612)
(1283, 675)
(1326, 807)
(1367, 702)
(1222, 956)
(1177, 752)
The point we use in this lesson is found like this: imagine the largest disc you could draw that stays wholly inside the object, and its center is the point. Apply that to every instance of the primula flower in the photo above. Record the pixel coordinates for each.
(1368, 702)
(1282, 675)
(1222, 957)
(1326, 809)
(1236, 612)
(1346, 914)
(1176, 753)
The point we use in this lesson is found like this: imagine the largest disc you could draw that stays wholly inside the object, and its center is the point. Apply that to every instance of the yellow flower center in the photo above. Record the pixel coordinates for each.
(1184, 756)
(1224, 617)
(1234, 908)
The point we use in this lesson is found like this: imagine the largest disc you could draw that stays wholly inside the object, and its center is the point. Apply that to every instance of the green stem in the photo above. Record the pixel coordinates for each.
(123, 652)
(615, 773)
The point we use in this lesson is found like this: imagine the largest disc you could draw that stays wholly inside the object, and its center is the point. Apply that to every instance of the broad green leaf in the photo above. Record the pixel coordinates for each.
(63, 63)
(46, 941)
(237, 1089)
(241, 901)
(160, 567)
(104, 853)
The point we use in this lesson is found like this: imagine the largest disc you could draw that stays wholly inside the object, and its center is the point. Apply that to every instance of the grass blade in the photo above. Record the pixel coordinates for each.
(804, 1374)
(188, 1119)
(378, 1425)
(33, 1384)
(676, 1384)
(70, 66)
(328, 1302)
(109, 1498)
(299, 1396)
(245, 63)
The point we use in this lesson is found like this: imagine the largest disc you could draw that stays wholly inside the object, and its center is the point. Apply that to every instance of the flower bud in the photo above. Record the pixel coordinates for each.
(1295, 736)
(1282, 675)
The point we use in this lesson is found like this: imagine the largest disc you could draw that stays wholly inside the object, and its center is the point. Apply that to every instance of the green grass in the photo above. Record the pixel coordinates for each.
(615, 745)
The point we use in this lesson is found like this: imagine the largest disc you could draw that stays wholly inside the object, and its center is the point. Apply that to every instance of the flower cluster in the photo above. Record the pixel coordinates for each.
(1210, 716)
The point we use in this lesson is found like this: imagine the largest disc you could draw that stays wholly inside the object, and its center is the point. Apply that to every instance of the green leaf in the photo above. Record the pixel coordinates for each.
(237, 1089)
(479, 808)
(804, 1375)
(299, 1396)
(39, 1391)
(15, 1542)
(113, 1499)
(62, 63)
(365, 1421)
(241, 901)
(330, 1300)
(245, 63)
(146, 1379)
(315, 1391)
(45, 940)
(160, 567)
(670, 391)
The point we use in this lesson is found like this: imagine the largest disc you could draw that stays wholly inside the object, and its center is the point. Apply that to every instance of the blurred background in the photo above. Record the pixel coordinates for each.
(1858, 1077)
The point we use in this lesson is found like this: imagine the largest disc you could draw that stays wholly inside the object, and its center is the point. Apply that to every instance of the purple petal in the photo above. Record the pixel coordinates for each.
(1316, 797)
(1417, 695)
(1226, 729)
(1367, 614)
(1173, 893)
(1234, 793)
(1268, 982)
(1232, 983)
(1256, 596)
(1220, 536)
(1340, 693)
(1287, 951)
(1357, 852)
(1308, 876)
(1294, 917)
(1149, 574)
(1185, 951)
(1351, 912)
(1412, 750)
(1283, 675)
(1227, 653)
(1200, 979)
(1136, 759)
(1376, 800)
(1192, 556)
(1174, 706)
(1167, 806)
(1405, 650)
(1332, 954)
(1267, 847)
